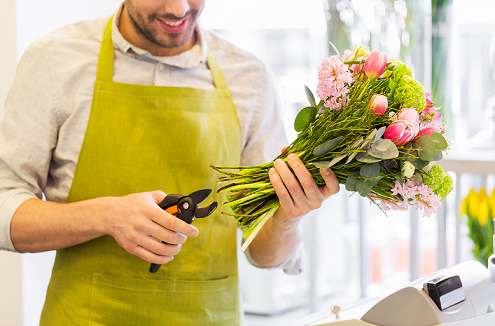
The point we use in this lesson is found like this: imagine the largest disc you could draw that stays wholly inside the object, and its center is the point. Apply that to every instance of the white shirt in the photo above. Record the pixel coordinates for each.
(48, 106)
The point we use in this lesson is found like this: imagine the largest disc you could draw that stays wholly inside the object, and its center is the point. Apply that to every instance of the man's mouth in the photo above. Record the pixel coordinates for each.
(173, 26)
(174, 23)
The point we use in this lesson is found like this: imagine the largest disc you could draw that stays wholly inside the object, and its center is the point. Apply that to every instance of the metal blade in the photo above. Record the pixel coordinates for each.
(200, 195)
(205, 211)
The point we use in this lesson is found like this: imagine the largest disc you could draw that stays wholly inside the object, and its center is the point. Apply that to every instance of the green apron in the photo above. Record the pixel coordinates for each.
(143, 138)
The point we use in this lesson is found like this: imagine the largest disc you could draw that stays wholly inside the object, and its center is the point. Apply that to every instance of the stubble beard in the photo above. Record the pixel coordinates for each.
(142, 27)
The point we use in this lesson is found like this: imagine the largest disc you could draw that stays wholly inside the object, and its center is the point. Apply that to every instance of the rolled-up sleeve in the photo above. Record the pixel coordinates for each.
(28, 135)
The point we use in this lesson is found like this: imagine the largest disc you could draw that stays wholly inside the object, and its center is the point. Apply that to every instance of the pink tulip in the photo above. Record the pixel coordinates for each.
(427, 131)
(375, 64)
(429, 103)
(400, 132)
(411, 115)
(378, 104)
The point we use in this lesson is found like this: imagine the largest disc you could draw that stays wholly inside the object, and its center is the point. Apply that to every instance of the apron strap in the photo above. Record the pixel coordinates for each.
(218, 78)
(104, 71)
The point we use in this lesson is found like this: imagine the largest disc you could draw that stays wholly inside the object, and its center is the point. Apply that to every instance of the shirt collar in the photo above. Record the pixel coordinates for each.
(188, 59)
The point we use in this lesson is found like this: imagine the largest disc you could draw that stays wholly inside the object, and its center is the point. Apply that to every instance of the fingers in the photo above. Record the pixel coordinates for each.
(139, 225)
(151, 257)
(331, 186)
(297, 191)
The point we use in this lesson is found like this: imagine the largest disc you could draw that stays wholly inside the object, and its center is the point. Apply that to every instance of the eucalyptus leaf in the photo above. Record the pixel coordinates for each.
(351, 157)
(327, 146)
(400, 179)
(418, 163)
(365, 143)
(379, 134)
(304, 117)
(370, 170)
(427, 149)
(438, 157)
(310, 96)
(328, 164)
(439, 141)
(356, 143)
(350, 184)
(384, 149)
(364, 186)
(372, 134)
(366, 158)
(353, 146)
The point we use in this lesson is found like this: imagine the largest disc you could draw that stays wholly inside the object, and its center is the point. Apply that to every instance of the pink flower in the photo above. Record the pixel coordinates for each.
(429, 103)
(378, 104)
(418, 195)
(411, 116)
(429, 118)
(333, 77)
(400, 132)
(375, 64)
(427, 131)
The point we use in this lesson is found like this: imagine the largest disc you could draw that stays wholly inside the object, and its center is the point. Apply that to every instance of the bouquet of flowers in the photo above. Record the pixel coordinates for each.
(373, 125)
(480, 211)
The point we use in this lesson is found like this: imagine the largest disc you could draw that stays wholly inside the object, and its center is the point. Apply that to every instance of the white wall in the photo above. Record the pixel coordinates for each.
(10, 263)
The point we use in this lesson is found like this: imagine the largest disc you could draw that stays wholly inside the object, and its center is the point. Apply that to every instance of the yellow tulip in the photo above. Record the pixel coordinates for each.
(482, 194)
(463, 208)
(491, 201)
(472, 204)
(483, 211)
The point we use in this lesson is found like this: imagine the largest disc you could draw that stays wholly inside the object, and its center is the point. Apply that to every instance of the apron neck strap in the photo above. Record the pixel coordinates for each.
(104, 71)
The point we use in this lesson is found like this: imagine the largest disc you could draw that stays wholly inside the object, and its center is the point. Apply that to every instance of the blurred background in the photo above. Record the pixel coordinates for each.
(352, 249)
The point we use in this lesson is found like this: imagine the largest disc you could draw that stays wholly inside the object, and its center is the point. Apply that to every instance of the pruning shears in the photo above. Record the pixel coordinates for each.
(186, 209)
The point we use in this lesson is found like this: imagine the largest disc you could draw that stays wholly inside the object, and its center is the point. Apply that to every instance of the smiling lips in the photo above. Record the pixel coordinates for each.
(173, 26)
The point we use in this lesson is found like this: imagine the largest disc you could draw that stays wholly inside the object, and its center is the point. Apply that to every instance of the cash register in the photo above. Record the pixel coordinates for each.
(462, 295)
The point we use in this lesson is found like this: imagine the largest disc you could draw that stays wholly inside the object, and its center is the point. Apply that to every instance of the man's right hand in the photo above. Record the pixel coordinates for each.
(134, 221)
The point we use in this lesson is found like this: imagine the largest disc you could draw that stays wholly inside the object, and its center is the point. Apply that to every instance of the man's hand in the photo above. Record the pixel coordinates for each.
(136, 222)
(297, 192)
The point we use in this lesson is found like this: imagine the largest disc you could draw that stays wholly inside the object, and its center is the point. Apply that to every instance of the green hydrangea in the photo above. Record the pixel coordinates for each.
(410, 93)
(439, 181)
(399, 65)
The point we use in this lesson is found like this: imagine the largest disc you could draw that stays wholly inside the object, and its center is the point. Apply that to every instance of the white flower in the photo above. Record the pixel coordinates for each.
(408, 169)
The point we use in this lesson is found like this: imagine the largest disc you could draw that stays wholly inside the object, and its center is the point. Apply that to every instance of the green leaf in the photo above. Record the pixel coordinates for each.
(427, 149)
(399, 178)
(310, 96)
(328, 164)
(439, 141)
(364, 186)
(304, 117)
(392, 85)
(399, 72)
(384, 149)
(327, 146)
(366, 158)
(438, 157)
(379, 134)
(370, 170)
(372, 134)
(350, 184)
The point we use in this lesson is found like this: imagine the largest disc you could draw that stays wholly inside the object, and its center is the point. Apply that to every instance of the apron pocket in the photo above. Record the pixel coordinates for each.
(117, 300)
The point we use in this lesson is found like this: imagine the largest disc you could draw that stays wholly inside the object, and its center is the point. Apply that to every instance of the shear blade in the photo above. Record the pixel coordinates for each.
(205, 211)
(200, 195)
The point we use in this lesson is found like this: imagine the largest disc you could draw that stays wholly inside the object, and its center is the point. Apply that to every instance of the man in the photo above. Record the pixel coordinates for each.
(101, 115)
